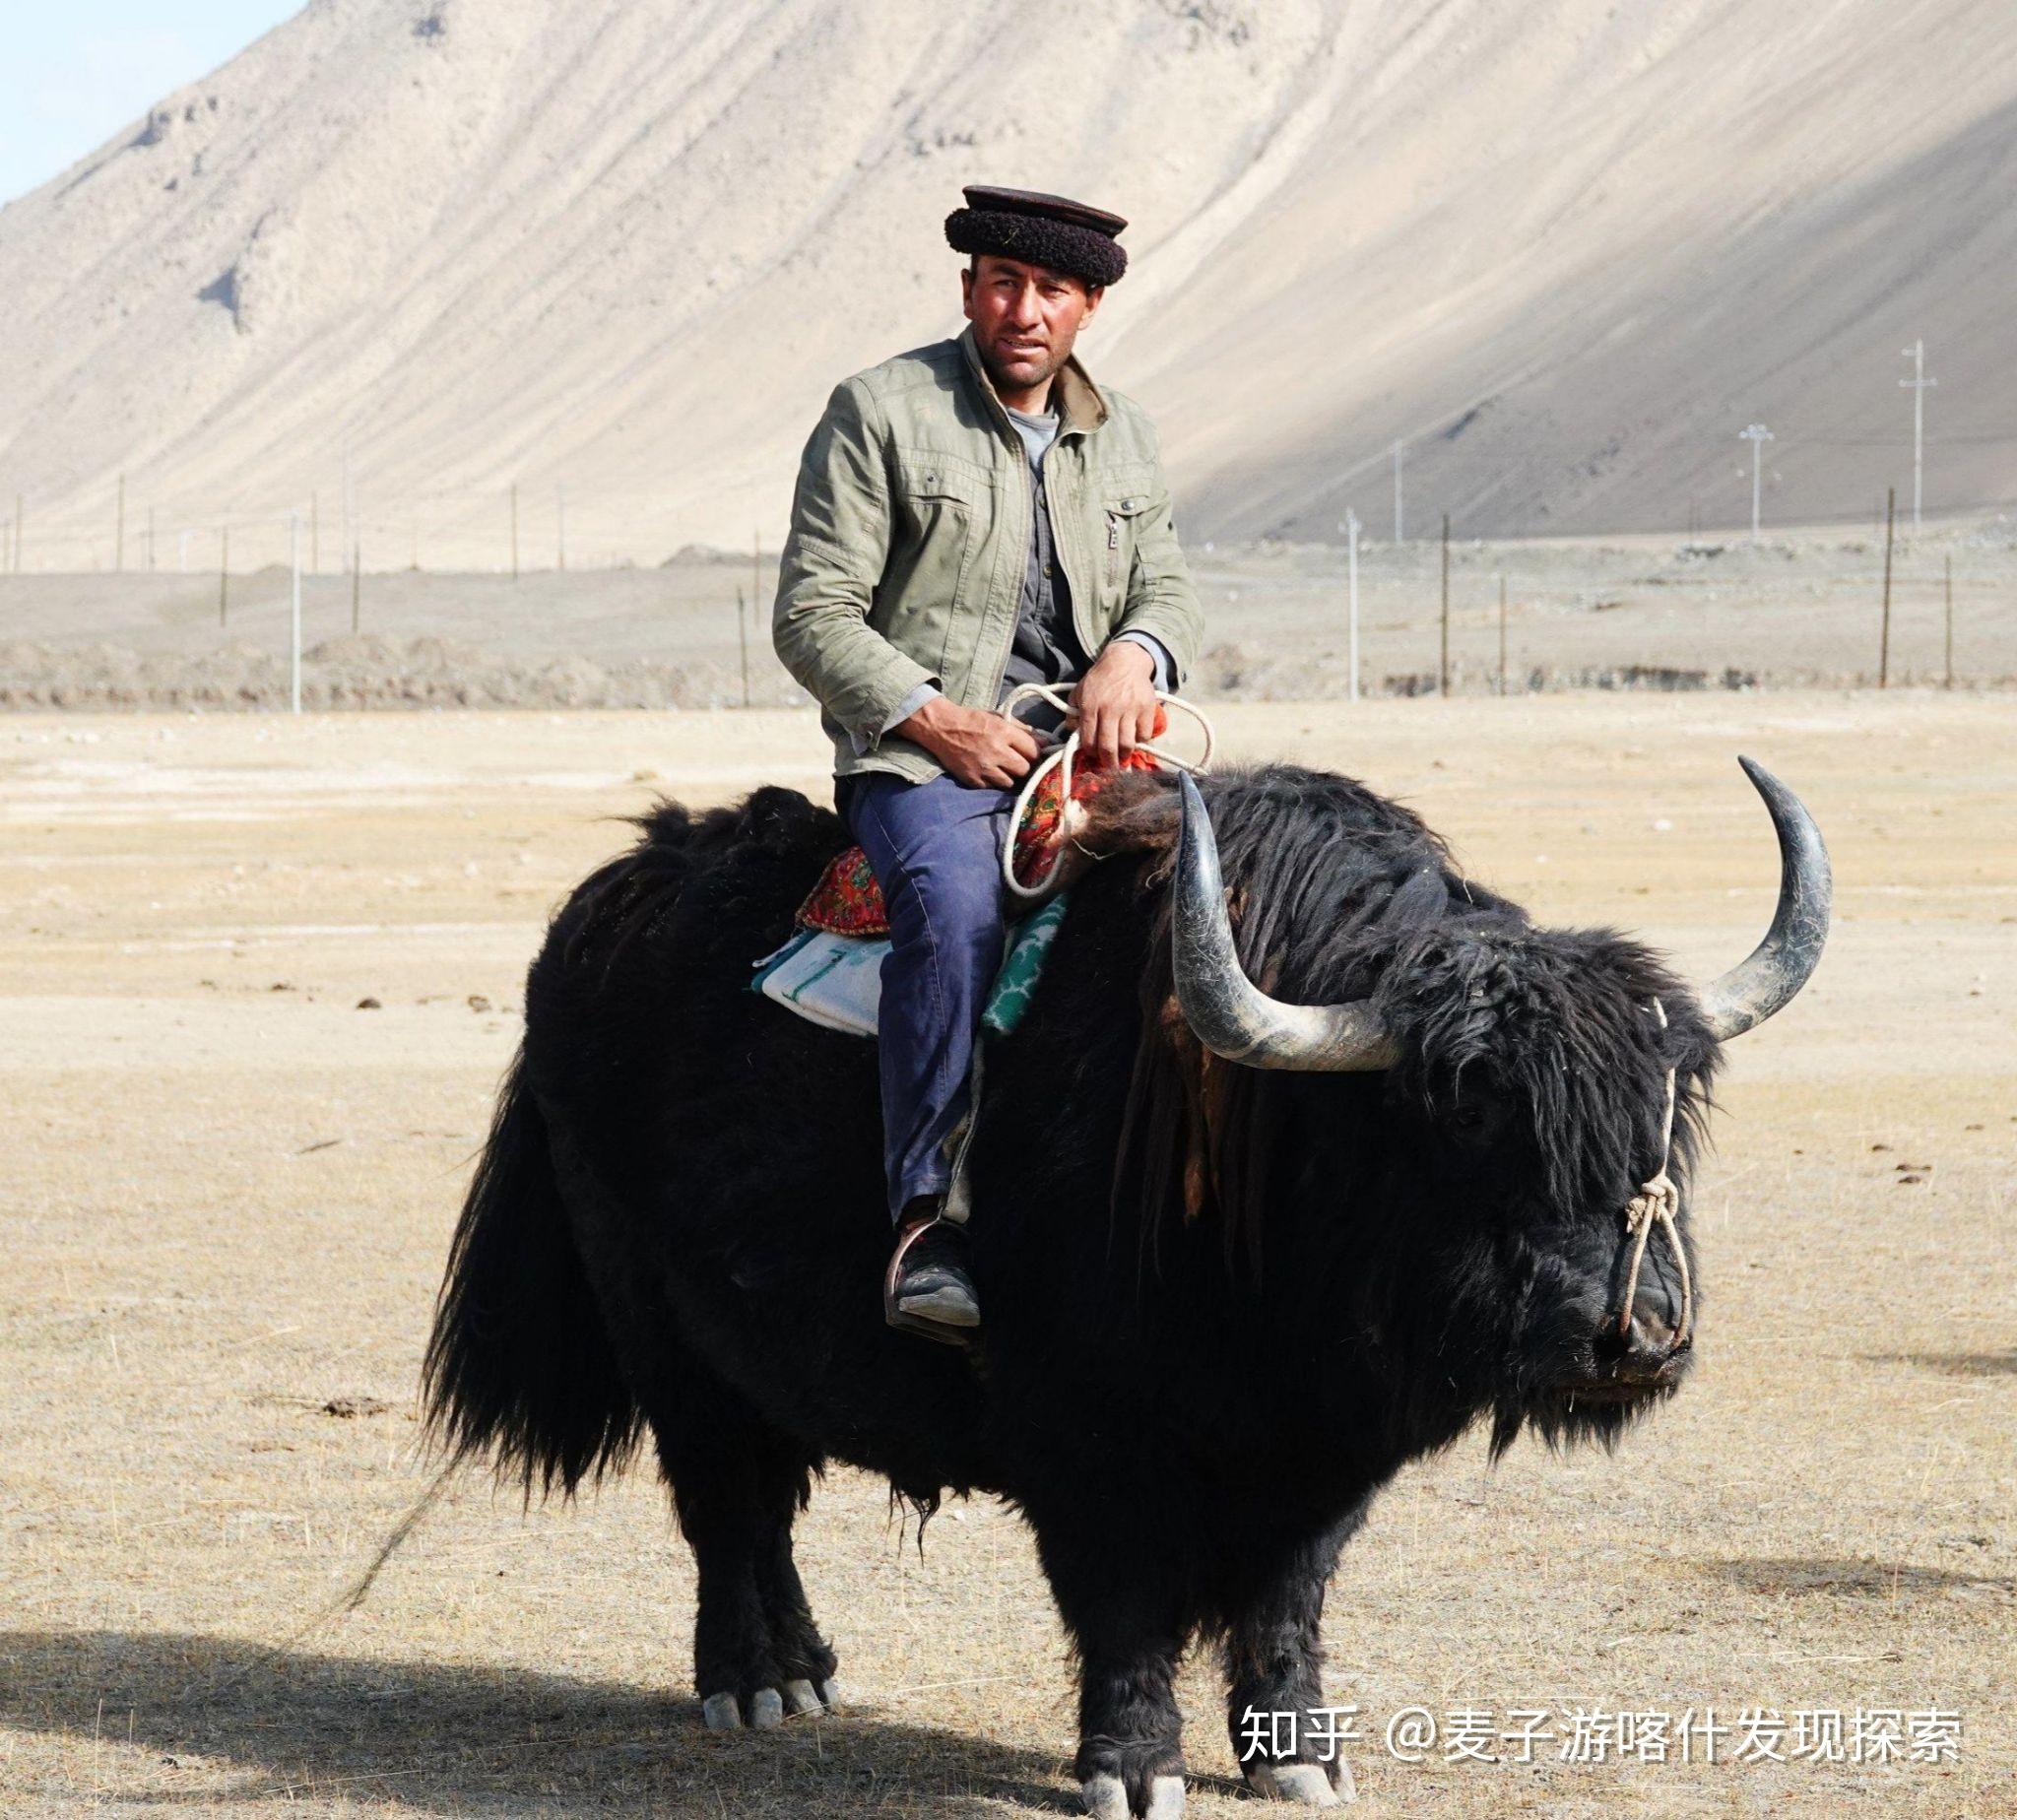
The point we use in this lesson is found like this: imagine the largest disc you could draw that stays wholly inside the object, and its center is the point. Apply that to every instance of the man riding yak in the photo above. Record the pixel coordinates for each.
(1306, 1153)
(971, 517)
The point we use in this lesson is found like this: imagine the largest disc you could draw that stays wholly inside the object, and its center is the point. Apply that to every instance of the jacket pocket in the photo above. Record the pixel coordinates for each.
(941, 507)
(1121, 513)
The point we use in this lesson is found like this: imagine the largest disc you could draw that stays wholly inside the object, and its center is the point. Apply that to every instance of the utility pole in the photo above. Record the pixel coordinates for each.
(1351, 590)
(1917, 354)
(742, 643)
(1502, 636)
(348, 503)
(150, 539)
(1884, 647)
(295, 625)
(1949, 683)
(1757, 435)
(1397, 520)
(1442, 665)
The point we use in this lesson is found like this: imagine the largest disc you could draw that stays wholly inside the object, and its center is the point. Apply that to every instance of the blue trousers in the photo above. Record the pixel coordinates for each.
(935, 849)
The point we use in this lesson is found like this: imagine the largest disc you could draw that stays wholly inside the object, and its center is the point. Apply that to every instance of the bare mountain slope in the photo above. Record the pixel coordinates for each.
(1564, 248)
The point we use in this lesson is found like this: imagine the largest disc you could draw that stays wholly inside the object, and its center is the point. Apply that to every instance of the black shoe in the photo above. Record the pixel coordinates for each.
(928, 1289)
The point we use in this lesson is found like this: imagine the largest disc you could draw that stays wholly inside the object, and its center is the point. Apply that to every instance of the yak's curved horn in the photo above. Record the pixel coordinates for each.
(1781, 964)
(1231, 1015)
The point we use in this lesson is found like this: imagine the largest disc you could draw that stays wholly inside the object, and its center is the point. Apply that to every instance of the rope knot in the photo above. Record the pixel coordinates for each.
(1657, 1204)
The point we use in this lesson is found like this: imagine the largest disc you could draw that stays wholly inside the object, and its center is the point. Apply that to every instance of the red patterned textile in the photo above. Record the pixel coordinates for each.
(847, 900)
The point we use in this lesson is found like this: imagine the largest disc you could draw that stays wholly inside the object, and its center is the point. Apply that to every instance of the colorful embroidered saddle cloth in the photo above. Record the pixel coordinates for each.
(837, 980)
(847, 900)
(830, 972)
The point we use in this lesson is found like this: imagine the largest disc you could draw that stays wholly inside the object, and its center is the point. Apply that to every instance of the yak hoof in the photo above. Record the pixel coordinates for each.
(1106, 1798)
(799, 1697)
(1307, 1784)
(720, 1713)
(829, 1691)
(766, 1709)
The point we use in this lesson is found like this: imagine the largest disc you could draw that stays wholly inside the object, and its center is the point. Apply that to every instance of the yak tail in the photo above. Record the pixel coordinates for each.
(518, 1368)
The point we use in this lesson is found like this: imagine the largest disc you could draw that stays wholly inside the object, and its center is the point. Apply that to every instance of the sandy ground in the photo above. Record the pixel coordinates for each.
(1710, 611)
(230, 1190)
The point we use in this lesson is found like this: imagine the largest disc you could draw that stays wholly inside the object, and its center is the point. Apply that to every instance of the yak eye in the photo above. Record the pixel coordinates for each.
(1469, 1119)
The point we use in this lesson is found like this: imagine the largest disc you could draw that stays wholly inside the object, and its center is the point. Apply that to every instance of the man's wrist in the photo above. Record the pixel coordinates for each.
(1118, 648)
(927, 722)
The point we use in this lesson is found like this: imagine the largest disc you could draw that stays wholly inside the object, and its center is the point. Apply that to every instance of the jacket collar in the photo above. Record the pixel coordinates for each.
(1081, 407)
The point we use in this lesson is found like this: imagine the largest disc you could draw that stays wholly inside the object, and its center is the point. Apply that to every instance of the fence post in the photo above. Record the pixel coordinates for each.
(1949, 683)
(294, 628)
(742, 643)
(1442, 665)
(1884, 646)
(1502, 635)
(1352, 591)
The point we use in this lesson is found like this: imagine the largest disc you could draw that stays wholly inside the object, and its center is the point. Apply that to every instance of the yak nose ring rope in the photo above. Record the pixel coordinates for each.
(1655, 1204)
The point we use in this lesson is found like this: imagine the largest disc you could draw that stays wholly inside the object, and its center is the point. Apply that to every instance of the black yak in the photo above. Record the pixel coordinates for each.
(1258, 1217)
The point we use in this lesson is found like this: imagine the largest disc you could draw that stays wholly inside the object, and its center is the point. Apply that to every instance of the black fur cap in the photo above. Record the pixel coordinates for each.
(1039, 229)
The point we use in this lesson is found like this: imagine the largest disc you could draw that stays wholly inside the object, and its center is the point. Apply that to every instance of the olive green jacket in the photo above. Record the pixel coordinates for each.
(911, 532)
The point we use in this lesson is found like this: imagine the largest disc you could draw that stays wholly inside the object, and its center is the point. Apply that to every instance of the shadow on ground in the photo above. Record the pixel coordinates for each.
(1826, 1574)
(440, 1737)
(1956, 1364)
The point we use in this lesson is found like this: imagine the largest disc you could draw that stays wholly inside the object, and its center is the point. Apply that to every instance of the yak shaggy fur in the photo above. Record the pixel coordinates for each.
(1223, 1306)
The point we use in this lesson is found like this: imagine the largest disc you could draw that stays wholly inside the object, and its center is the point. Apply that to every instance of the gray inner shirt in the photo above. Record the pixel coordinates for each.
(1046, 648)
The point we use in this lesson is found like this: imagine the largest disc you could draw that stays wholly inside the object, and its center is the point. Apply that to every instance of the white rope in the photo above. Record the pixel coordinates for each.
(1655, 1204)
(1059, 761)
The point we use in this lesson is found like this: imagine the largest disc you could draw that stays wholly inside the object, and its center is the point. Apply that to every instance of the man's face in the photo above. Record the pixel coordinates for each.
(1025, 318)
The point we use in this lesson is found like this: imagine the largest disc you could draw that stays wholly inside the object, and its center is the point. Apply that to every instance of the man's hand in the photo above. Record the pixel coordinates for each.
(975, 746)
(1116, 701)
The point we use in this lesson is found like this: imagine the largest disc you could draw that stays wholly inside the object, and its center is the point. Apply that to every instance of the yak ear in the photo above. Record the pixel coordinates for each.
(1137, 813)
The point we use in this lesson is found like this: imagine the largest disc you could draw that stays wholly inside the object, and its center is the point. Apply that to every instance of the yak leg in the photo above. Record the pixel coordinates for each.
(1274, 1679)
(1129, 1633)
(805, 1656)
(737, 1484)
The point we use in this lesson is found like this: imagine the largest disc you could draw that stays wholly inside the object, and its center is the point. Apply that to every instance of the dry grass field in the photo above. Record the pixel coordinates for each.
(229, 1191)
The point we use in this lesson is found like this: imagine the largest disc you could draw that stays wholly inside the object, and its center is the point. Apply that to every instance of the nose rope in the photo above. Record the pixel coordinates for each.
(1655, 1204)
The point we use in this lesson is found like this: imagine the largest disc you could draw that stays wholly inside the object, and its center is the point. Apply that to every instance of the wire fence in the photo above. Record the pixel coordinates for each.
(508, 599)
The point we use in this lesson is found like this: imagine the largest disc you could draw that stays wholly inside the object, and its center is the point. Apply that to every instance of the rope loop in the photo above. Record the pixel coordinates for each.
(1657, 1204)
(1060, 758)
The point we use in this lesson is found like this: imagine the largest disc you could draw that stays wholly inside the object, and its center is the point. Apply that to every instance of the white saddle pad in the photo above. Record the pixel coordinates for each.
(831, 980)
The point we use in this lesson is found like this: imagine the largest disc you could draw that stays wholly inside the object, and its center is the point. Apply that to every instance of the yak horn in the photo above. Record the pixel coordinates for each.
(1781, 964)
(1226, 1011)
